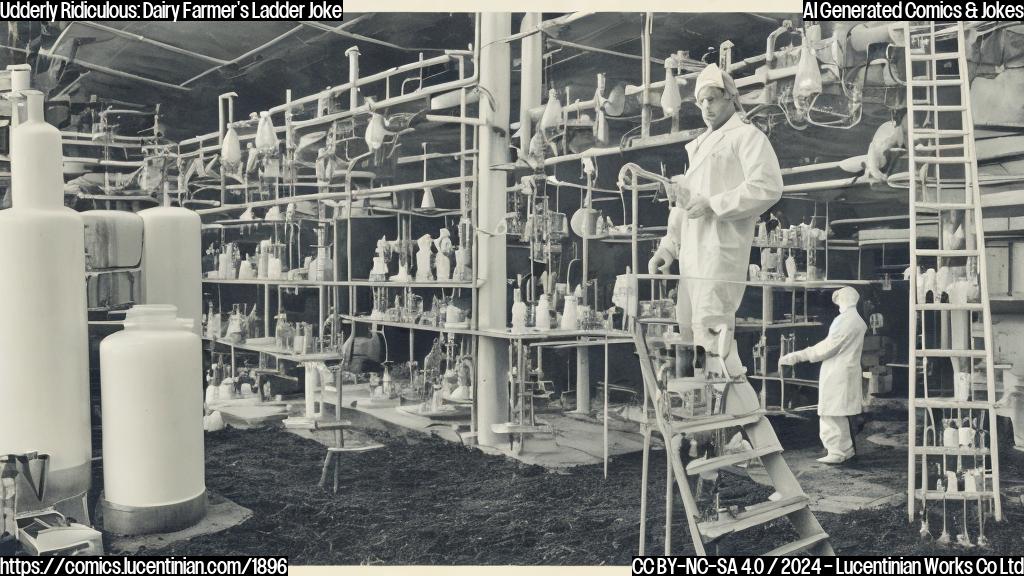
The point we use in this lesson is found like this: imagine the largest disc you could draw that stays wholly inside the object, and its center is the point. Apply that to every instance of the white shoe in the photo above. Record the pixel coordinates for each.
(834, 459)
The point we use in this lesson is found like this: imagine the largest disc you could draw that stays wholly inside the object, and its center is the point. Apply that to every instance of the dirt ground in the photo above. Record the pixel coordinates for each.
(425, 501)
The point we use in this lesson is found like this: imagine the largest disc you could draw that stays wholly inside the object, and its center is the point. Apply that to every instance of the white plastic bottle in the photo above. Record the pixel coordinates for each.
(569, 313)
(543, 321)
(172, 268)
(274, 268)
(518, 313)
(950, 436)
(152, 394)
(44, 355)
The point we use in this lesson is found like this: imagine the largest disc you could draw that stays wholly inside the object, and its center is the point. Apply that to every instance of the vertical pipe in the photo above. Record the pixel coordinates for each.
(353, 77)
(645, 47)
(495, 77)
(530, 77)
(912, 345)
(583, 379)
(21, 79)
(583, 353)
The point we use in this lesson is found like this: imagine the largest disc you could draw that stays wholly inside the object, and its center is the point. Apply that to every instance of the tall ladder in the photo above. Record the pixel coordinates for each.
(944, 182)
(742, 411)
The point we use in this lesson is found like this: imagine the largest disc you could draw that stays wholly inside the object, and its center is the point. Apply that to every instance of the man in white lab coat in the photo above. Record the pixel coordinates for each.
(840, 391)
(733, 177)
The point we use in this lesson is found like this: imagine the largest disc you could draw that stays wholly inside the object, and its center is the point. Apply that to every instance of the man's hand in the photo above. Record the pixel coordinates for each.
(698, 207)
(791, 359)
(679, 190)
(659, 264)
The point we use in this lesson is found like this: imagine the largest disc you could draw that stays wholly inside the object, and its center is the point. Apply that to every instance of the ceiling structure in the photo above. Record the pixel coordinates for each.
(184, 66)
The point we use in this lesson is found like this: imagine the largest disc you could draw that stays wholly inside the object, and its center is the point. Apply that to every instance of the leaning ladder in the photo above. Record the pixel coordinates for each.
(944, 182)
(765, 445)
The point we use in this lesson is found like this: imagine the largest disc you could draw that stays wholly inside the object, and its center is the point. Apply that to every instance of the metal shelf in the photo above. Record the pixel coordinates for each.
(410, 326)
(748, 326)
(265, 346)
(343, 283)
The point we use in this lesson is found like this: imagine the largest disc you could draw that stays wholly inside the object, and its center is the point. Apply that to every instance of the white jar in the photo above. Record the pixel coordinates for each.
(152, 394)
(543, 319)
(172, 268)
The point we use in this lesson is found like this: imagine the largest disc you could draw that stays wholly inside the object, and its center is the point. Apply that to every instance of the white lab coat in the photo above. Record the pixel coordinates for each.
(840, 388)
(737, 170)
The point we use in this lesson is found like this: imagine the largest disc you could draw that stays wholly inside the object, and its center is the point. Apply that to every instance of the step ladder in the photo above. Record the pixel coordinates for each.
(941, 151)
(742, 412)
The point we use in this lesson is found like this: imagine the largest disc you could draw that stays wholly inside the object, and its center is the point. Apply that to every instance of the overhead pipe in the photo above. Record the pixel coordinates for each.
(252, 52)
(380, 192)
(150, 42)
(340, 32)
(98, 68)
(553, 23)
(334, 91)
(681, 80)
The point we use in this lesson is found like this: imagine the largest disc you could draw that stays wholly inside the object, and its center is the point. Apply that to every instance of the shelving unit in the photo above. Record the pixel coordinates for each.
(434, 142)
(328, 179)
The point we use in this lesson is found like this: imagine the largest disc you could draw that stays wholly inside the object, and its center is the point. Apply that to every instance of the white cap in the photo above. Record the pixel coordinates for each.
(845, 297)
(711, 75)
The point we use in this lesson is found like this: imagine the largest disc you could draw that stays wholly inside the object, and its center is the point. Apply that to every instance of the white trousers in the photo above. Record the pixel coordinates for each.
(835, 435)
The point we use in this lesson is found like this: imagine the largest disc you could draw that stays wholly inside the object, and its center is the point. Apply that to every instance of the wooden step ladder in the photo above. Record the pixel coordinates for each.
(941, 152)
(741, 411)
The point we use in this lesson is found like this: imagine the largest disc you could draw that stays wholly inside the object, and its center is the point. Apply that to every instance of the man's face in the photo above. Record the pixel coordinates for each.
(715, 106)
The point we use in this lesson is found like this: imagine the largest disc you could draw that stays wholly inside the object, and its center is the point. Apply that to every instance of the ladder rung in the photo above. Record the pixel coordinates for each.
(935, 56)
(936, 495)
(947, 253)
(799, 545)
(945, 451)
(970, 306)
(951, 403)
(752, 516)
(715, 422)
(919, 81)
(687, 384)
(365, 448)
(935, 147)
(331, 424)
(939, 108)
(939, 353)
(513, 428)
(671, 321)
(943, 206)
(659, 342)
(929, 133)
(942, 159)
(698, 466)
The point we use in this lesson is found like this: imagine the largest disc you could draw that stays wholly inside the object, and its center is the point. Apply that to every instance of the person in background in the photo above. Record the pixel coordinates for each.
(840, 391)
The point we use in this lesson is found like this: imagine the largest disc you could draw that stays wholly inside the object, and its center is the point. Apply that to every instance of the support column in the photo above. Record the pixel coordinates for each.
(583, 379)
(492, 364)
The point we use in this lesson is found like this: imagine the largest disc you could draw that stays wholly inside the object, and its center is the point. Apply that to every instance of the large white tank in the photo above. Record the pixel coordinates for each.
(44, 362)
(152, 392)
(172, 269)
